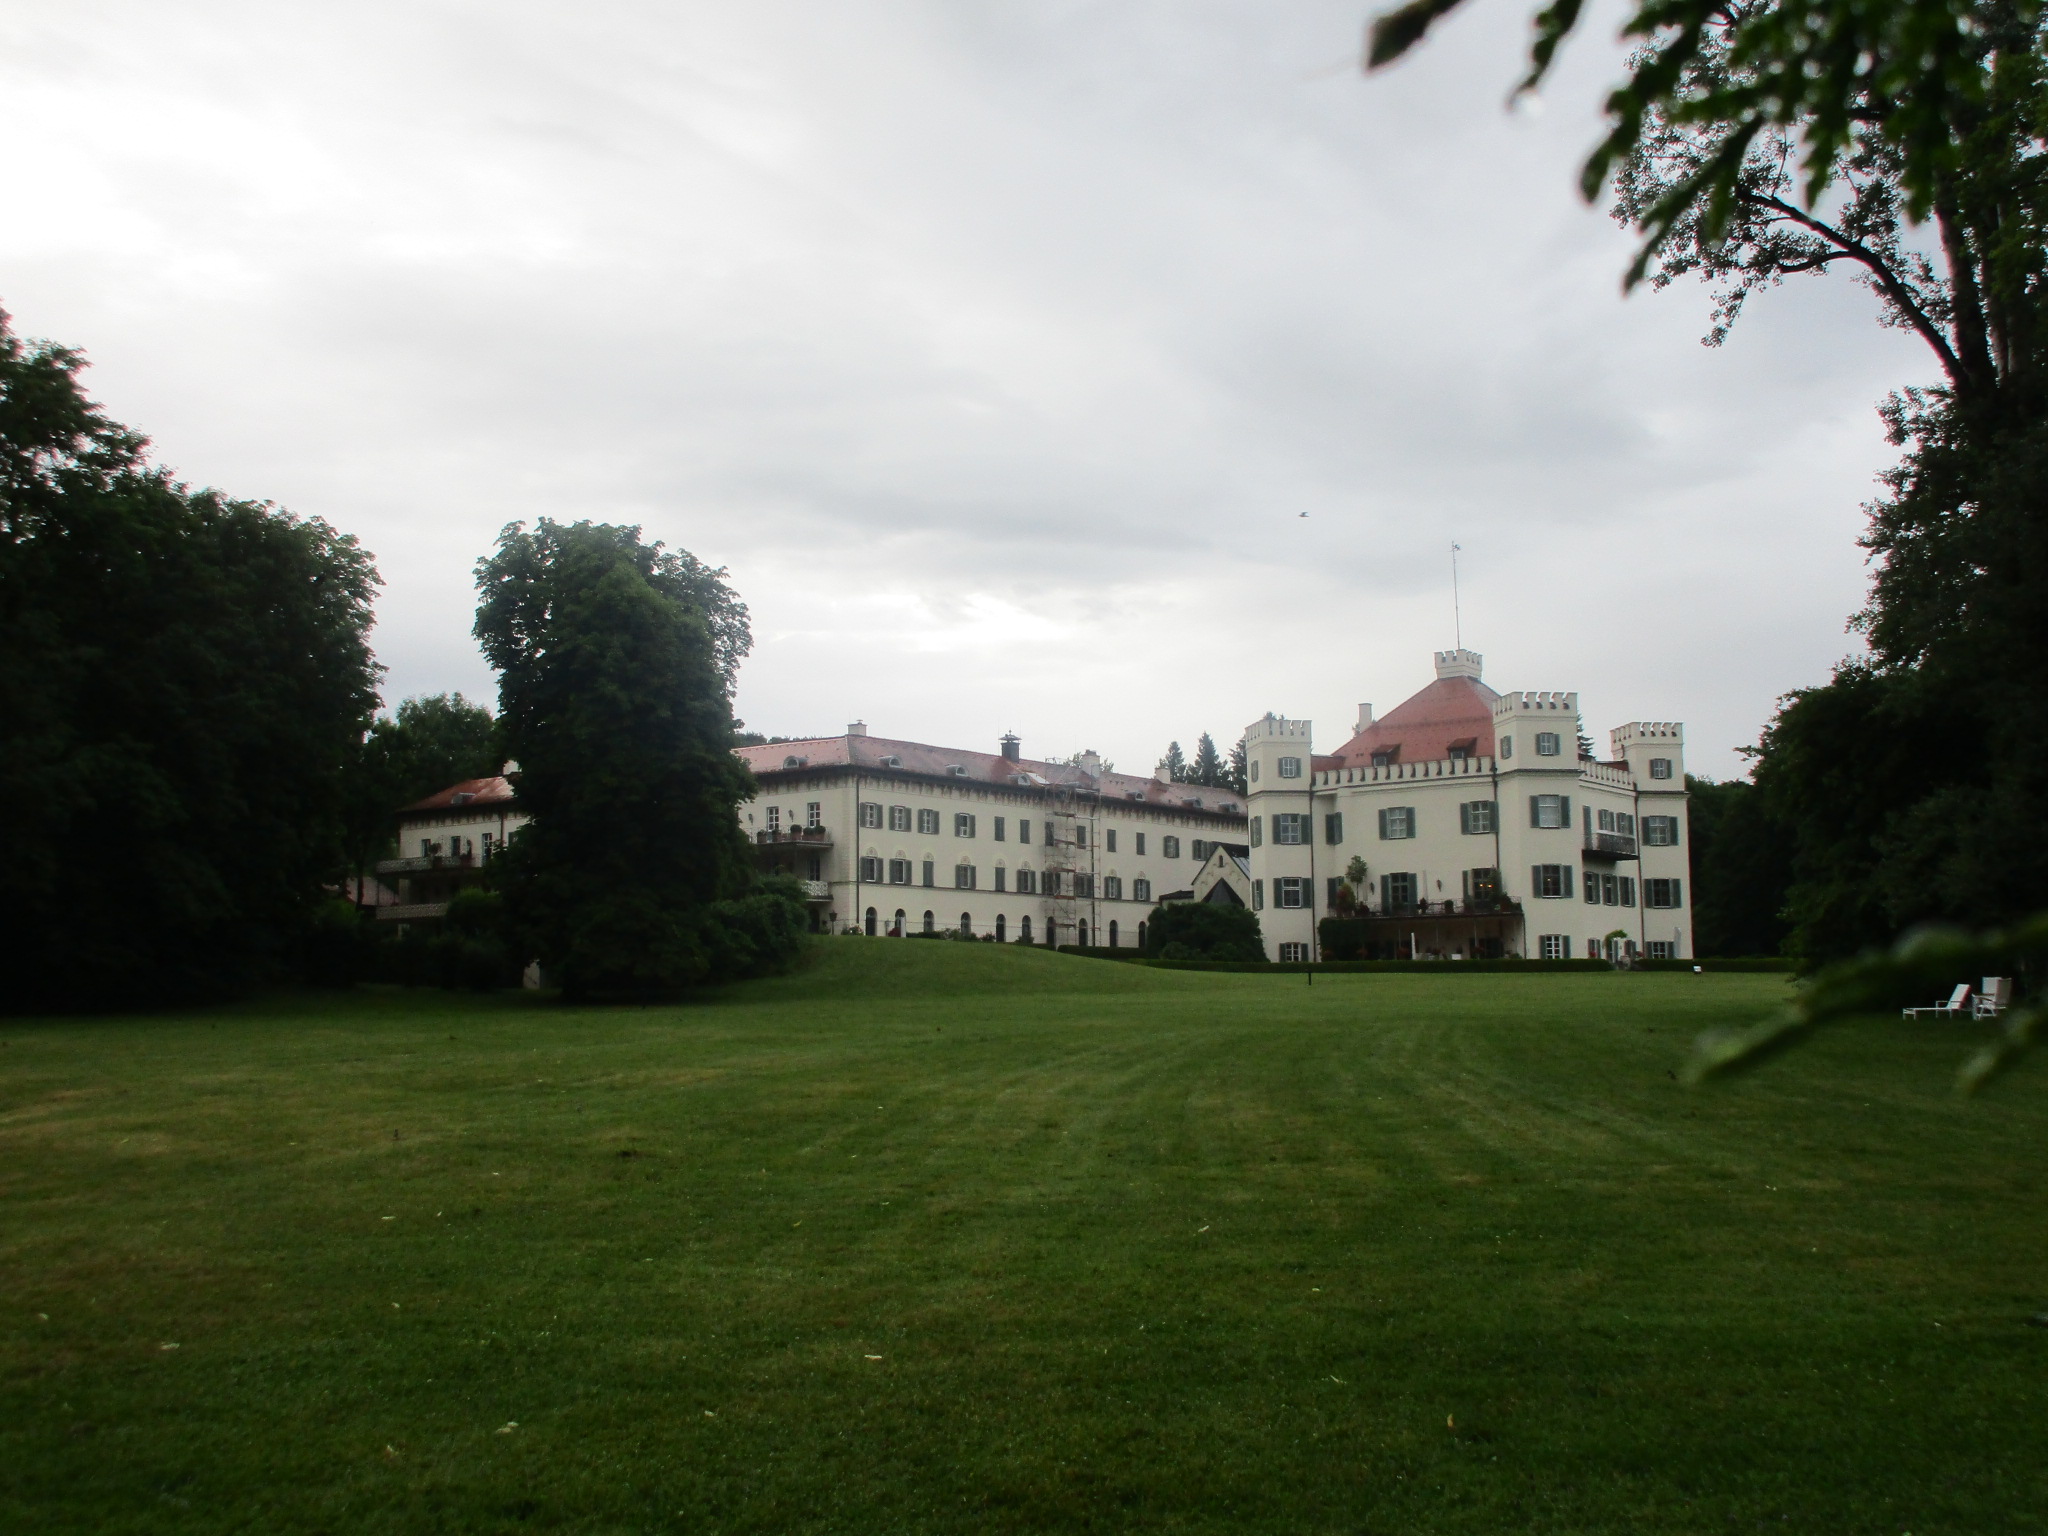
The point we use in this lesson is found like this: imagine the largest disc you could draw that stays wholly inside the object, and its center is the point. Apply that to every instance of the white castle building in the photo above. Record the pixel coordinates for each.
(1463, 824)
(903, 837)
(1478, 827)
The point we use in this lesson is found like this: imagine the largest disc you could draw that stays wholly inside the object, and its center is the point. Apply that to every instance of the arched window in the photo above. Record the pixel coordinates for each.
(966, 925)
(1024, 930)
(871, 922)
(1112, 933)
(899, 930)
(1084, 935)
(1141, 935)
(928, 923)
(999, 927)
(1052, 934)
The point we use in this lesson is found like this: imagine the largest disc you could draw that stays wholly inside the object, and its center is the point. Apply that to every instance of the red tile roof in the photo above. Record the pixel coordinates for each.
(490, 792)
(1451, 711)
(925, 761)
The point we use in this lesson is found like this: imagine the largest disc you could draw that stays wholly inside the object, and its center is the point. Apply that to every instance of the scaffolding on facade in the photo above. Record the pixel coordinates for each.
(1072, 883)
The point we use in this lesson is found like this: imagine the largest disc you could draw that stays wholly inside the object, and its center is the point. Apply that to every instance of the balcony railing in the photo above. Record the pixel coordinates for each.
(427, 863)
(808, 837)
(817, 890)
(1615, 845)
(412, 912)
(1483, 906)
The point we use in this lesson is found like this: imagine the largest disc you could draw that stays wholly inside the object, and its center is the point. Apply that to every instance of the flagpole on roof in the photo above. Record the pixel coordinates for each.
(1457, 615)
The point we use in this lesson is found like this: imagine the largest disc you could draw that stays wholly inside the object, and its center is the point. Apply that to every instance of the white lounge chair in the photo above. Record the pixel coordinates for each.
(1994, 997)
(1957, 1006)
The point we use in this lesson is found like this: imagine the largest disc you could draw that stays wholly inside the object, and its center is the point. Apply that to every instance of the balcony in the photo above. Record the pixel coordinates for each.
(1610, 845)
(412, 912)
(427, 863)
(1483, 906)
(817, 890)
(795, 837)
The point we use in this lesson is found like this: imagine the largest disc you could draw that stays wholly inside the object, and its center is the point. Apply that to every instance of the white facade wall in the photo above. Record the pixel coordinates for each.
(1576, 883)
(1128, 847)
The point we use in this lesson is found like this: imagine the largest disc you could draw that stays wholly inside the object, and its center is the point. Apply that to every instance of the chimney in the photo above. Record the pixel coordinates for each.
(1164, 775)
(1012, 747)
(1365, 717)
(858, 728)
(1091, 763)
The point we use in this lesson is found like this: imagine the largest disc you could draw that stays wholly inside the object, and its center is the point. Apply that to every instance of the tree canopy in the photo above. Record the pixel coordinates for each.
(1823, 72)
(616, 661)
(184, 677)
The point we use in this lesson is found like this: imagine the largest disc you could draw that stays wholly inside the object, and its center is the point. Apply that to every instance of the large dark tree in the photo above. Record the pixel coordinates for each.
(183, 679)
(1741, 861)
(1207, 768)
(616, 662)
(1911, 787)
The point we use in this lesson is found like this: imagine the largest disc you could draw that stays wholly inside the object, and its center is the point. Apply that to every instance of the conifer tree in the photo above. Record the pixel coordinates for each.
(1174, 763)
(1238, 775)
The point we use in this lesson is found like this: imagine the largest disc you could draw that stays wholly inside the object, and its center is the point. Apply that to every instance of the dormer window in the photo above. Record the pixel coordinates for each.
(1386, 757)
(1460, 751)
(461, 797)
(958, 770)
(794, 762)
(892, 761)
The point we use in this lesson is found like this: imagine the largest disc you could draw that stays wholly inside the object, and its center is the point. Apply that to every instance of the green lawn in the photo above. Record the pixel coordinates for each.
(939, 1237)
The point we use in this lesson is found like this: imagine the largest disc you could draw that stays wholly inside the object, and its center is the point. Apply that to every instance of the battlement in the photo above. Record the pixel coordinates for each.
(1406, 773)
(1518, 703)
(1662, 733)
(1277, 728)
(1609, 774)
(1458, 663)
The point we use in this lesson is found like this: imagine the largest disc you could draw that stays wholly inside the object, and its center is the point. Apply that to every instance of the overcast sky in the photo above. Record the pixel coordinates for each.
(996, 347)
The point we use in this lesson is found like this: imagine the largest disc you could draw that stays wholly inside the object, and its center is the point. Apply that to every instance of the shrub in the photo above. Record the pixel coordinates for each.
(337, 947)
(1199, 931)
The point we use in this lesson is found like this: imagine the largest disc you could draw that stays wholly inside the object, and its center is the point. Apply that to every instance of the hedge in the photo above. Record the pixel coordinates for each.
(1750, 963)
(1515, 967)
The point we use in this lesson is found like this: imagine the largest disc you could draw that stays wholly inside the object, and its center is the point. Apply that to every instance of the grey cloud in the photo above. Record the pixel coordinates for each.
(995, 348)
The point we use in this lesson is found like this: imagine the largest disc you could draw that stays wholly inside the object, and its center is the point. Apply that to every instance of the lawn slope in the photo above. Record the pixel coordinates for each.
(947, 1237)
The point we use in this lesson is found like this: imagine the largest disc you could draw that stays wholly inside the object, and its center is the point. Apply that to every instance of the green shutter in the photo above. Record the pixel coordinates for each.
(1535, 879)
(1564, 806)
(1564, 872)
